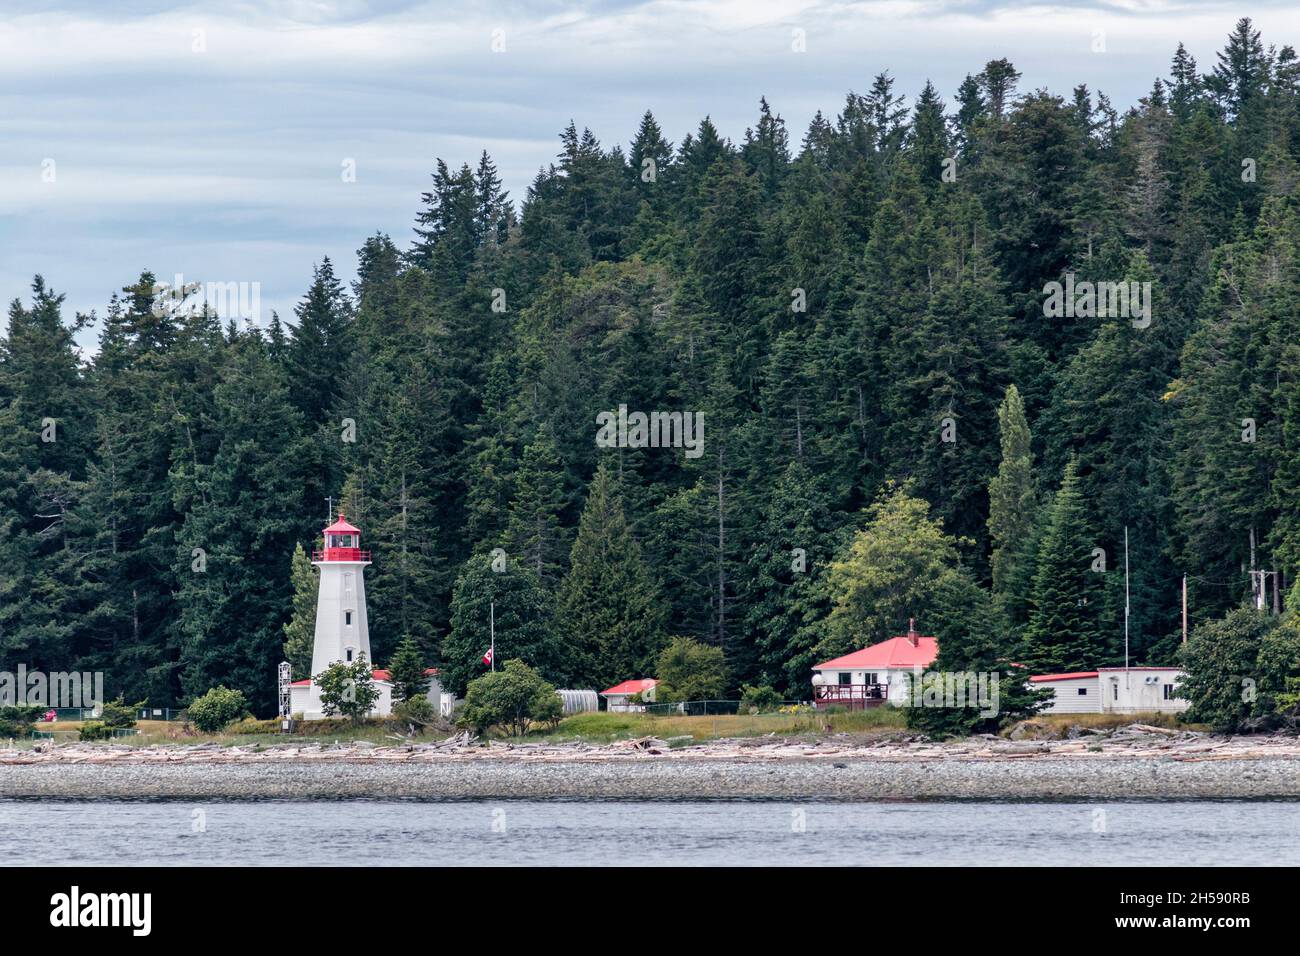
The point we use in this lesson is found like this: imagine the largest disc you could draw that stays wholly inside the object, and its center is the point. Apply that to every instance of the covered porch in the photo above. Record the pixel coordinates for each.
(850, 696)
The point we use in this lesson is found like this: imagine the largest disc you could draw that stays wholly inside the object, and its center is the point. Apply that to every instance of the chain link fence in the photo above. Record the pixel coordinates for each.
(716, 708)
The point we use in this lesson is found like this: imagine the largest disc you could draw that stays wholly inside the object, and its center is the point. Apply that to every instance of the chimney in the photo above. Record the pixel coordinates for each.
(911, 631)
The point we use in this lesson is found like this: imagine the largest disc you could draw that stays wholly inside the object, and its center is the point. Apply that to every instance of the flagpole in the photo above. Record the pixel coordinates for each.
(492, 623)
(1126, 607)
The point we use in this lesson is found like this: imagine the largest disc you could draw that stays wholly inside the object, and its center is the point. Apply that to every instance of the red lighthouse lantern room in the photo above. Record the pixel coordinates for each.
(342, 543)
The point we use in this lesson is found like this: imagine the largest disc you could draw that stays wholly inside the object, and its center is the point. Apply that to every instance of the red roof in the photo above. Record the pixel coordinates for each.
(1077, 675)
(895, 652)
(376, 674)
(630, 687)
(341, 527)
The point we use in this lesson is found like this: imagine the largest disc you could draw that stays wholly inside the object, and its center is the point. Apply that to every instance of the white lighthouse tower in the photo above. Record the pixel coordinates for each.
(342, 630)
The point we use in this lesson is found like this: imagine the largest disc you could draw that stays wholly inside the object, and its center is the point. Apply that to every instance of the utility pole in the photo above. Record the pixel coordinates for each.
(1184, 609)
(1256, 576)
(492, 625)
(1126, 607)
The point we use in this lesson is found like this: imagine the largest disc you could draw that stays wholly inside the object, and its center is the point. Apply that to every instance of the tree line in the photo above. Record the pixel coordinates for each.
(893, 427)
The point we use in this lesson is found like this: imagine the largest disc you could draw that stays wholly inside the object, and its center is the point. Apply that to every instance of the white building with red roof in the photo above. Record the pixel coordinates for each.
(876, 674)
(342, 628)
(618, 698)
(1113, 690)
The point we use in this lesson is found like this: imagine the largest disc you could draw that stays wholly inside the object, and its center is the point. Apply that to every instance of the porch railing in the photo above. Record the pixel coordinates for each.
(850, 695)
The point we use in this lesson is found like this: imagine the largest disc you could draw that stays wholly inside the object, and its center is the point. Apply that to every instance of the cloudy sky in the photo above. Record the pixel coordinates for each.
(209, 139)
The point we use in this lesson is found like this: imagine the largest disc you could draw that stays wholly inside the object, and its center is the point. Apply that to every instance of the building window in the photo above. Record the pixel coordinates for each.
(1169, 692)
(1083, 692)
(845, 678)
(872, 679)
(349, 655)
(1115, 689)
(347, 618)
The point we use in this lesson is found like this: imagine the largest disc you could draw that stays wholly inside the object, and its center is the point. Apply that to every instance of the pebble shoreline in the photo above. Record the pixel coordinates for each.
(652, 779)
(1137, 763)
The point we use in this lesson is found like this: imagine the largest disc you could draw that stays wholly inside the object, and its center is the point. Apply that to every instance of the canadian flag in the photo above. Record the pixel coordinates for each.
(487, 658)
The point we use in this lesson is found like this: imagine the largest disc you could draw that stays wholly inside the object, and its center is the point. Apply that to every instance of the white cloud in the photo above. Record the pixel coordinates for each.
(232, 154)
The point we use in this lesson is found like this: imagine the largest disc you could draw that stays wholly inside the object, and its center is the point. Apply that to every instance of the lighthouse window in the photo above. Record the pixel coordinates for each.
(349, 655)
(347, 618)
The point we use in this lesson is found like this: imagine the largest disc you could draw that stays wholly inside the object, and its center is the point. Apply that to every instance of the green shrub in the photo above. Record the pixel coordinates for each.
(217, 708)
(96, 730)
(513, 697)
(689, 670)
(16, 719)
(417, 711)
(347, 690)
(118, 713)
(759, 700)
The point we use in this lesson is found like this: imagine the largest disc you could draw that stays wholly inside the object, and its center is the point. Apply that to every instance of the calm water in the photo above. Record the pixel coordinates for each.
(585, 833)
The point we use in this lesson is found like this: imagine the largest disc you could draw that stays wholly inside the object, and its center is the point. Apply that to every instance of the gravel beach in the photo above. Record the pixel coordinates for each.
(853, 779)
(1136, 764)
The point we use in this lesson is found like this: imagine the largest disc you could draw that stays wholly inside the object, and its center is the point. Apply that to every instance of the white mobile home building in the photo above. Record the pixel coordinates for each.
(1113, 690)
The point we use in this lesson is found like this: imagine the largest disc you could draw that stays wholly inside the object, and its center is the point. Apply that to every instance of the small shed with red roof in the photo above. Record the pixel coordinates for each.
(873, 675)
(618, 698)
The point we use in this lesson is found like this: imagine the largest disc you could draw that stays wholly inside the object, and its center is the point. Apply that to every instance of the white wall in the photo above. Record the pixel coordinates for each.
(1068, 700)
(305, 700)
(1141, 691)
(897, 679)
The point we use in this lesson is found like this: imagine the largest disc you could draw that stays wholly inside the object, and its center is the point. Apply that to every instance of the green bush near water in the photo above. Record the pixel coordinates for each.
(16, 719)
(217, 708)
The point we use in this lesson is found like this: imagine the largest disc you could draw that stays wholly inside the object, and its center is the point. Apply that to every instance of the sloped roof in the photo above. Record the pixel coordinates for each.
(342, 527)
(1075, 675)
(630, 687)
(895, 652)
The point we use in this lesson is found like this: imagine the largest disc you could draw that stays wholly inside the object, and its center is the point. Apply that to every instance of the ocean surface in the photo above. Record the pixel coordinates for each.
(371, 832)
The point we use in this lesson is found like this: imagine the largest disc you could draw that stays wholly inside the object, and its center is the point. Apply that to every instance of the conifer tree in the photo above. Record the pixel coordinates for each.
(608, 604)
(535, 533)
(300, 629)
(1012, 509)
(1064, 632)
(407, 671)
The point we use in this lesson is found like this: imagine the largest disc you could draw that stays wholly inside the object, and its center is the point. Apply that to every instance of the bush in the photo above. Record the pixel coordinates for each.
(690, 670)
(513, 697)
(759, 700)
(16, 719)
(416, 712)
(95, 730)
(348, 689)
(216, 709)
(1223, 682)
(118, 713)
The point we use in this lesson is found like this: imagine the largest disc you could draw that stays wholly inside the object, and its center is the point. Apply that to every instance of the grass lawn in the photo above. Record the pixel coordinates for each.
(604, 727)
(244, 734)
(595, 728)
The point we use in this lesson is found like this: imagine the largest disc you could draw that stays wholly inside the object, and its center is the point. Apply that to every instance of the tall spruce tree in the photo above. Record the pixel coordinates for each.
(1012, 510)
(1065, 631)
(608, 604)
